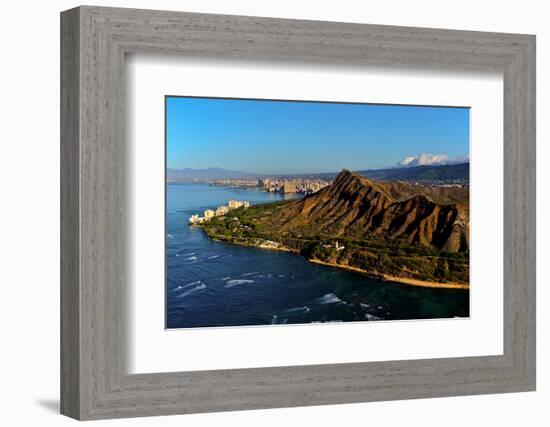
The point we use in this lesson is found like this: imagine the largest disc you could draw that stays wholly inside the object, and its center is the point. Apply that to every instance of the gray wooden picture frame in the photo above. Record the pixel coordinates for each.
(94, 381)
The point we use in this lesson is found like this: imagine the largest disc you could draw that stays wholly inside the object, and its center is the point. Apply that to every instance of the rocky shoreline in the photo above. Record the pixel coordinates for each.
(388, 278)
(385, 277)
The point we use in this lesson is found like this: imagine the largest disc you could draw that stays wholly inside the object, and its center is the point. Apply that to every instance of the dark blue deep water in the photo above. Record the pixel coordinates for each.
(218, 284)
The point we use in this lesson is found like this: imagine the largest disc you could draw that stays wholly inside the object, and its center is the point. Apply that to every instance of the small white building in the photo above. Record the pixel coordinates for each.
(235, 204)
(208, 214)
(221, 210)
(196, 219)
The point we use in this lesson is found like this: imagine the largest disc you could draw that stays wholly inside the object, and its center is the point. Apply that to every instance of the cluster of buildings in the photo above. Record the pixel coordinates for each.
(239, 183)
(276, 185)
(286, 186)
(442, 184)
(219, 211)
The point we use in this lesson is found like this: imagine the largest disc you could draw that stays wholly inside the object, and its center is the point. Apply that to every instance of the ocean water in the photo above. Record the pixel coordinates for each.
(212, 283)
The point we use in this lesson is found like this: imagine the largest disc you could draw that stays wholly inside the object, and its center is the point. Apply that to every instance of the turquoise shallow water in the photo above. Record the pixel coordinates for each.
(211, 283)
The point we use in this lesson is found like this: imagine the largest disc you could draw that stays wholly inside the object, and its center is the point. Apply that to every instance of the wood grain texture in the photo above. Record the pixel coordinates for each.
(70, 297)
(94, 380)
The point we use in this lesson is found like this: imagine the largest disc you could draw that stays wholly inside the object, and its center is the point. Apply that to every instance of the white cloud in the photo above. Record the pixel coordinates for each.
(426, 159)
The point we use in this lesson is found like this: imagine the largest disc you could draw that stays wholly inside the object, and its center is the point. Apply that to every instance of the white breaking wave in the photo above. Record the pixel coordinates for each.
(237, 282)
(372, 317)
(213, 257)
(305, 309)
(181, 253)
(195, 289)
(329, 299)
(250, 274)
(177, 288)
(191, 258)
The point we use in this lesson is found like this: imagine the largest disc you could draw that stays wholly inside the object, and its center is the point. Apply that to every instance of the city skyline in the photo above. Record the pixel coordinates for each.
(266, 137)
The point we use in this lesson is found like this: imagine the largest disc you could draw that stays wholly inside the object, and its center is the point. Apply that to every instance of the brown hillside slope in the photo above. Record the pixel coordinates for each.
(400, 191)
(355, 207)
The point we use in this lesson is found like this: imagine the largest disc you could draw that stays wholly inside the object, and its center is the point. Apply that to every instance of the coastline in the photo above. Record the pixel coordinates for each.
(388, 278)
(385, 277)
(247, 245)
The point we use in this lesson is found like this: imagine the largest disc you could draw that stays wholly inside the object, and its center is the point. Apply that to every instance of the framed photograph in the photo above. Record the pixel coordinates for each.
(262, 213)
(289, 198)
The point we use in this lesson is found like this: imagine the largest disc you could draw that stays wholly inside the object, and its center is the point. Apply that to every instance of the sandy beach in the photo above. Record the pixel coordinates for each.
(403, 280)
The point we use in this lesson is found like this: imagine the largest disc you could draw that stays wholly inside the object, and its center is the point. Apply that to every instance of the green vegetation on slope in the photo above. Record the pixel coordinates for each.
(253, 227)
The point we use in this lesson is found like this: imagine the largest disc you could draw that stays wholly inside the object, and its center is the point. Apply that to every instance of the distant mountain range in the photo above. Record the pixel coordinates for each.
(456, 172)
(188, 174)
(441, 173)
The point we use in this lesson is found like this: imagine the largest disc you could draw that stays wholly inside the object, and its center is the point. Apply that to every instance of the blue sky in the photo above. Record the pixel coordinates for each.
(270, 137)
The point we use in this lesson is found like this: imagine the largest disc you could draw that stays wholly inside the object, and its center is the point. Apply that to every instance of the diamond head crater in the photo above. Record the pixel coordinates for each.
(406, 231)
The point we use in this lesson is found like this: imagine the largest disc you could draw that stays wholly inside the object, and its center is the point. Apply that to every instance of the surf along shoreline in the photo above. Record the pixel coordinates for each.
(388, 278)
(384, 277)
